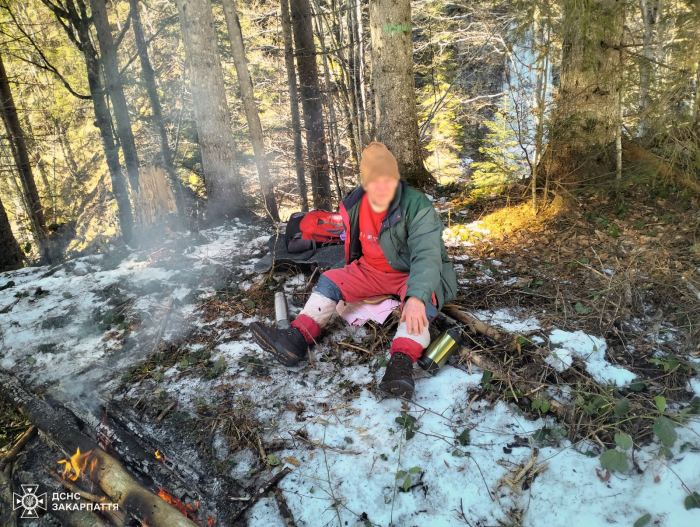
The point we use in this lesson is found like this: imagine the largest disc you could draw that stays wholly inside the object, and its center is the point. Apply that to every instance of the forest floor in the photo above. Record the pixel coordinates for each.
(602, 293)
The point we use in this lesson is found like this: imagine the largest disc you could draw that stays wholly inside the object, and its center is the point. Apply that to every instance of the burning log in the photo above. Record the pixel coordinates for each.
(62, 427)
(80, 519)
(115, 517)
(116, 432)
(73, 518)
(185, 508)
(73, 488)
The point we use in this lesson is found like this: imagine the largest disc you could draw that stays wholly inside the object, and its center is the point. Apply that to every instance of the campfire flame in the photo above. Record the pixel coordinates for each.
(160, 456)
(78, 464)
(184, 508)
(210, 521)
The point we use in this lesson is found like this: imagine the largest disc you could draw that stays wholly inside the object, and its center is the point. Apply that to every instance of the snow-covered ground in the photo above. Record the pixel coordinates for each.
(453, 479)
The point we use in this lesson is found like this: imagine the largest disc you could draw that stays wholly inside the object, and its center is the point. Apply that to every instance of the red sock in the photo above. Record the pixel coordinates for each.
(308, 327)
(407, 346)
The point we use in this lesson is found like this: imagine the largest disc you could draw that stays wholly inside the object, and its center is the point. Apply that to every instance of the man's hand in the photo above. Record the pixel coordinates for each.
(414, 316)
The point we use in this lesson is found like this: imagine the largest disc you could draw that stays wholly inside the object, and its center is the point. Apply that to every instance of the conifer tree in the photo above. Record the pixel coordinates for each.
(500, 164)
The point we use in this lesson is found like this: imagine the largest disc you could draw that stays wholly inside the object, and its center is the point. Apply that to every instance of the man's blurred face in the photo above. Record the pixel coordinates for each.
(381, 190)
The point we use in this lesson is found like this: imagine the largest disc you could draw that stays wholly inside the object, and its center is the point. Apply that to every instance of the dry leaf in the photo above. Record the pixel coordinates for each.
(292, 461)
(604, 477)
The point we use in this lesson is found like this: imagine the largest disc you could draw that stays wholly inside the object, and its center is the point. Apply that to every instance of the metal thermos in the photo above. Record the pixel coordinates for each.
(281, 311)
(441, 349)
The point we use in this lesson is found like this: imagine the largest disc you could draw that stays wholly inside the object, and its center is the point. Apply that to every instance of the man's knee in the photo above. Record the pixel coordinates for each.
(328, 288)
(423, 339)
(431, 311)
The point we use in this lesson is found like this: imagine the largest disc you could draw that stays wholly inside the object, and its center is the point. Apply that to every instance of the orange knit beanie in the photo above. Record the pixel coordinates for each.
(377, 161)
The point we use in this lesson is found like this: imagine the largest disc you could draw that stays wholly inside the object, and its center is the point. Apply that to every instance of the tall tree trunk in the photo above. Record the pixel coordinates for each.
(251, 108)
(18, 147)
(224, 189)
(362, 101)
(353, 7)
(294, 102)
(10, 252)
(541, 27)
(328, 91)
(392, 79)
(651, 11)
(696, 102)
(620, 84)
(587, 114)
(66, 149)
(149, 79)
(103, 121)
(77, 27)
(340, 81)
(311, 103)
(352, 74)
(110, 62)
(34, 150)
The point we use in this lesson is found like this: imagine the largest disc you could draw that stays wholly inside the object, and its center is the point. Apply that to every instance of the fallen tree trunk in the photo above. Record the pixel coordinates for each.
(475, 325)
(564, 413)
(60, 426)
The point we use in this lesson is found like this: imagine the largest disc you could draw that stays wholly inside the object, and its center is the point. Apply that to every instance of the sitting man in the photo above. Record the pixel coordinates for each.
(393, 245)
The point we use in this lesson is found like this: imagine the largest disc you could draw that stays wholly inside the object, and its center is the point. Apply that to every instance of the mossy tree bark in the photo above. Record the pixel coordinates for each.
(588, 109)
(394, 88)
(224, 190)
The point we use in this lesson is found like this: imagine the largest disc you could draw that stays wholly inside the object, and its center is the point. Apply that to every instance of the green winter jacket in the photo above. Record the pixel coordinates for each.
(411, 238)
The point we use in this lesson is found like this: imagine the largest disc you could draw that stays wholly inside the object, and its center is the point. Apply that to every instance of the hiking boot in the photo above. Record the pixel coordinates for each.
(398, 378)
(287, 345)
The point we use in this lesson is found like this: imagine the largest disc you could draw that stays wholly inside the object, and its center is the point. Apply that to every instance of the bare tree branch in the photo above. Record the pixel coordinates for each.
(46, 64)
(167, 22)
(127, 24)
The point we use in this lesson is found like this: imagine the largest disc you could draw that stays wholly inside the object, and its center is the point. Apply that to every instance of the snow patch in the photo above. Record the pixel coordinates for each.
(591, 350)
(510, 320)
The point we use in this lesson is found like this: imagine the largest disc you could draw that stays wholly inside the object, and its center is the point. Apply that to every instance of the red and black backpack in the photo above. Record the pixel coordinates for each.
(308, 230)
